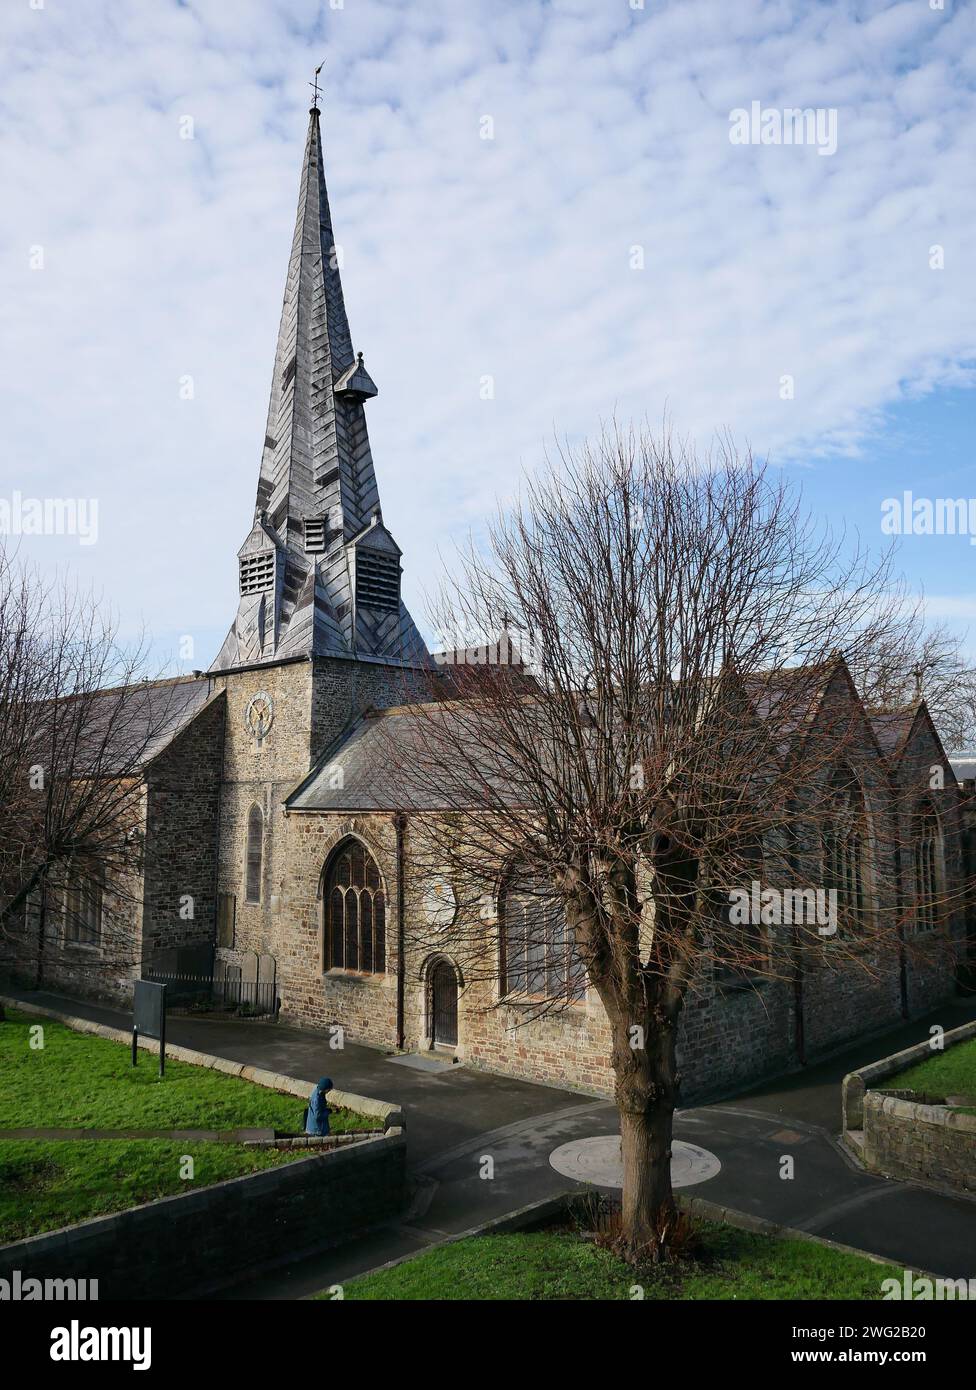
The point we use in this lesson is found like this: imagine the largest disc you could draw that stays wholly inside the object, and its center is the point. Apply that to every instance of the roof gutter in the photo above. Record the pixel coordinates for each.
(215, 672)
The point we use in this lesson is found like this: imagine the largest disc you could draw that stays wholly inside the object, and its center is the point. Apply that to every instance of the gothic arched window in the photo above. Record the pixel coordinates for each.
(539, 959)
(929, 866)
(83, 912)
(355, 912)
(254, 855)
(844, 847)
(740, 939)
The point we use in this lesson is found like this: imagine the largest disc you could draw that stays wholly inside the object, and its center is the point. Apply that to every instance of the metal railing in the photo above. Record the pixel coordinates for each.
(251, 997)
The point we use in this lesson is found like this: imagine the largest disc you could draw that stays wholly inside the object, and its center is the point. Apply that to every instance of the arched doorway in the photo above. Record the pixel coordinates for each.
(443, 1004)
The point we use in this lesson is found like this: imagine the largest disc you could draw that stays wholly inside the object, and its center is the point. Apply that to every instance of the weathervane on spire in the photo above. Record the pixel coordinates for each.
(315, 86)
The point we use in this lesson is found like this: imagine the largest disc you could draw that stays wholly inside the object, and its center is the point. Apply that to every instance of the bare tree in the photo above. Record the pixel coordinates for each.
(691, 731)
(929, 664)
(78, 720)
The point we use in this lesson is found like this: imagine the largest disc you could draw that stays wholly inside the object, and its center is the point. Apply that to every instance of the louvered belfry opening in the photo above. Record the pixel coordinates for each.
(258, 573)
(315, 535)
(377, 580)
(355, 912)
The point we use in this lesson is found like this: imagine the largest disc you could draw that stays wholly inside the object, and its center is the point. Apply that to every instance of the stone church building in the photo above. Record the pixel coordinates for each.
(252, 805)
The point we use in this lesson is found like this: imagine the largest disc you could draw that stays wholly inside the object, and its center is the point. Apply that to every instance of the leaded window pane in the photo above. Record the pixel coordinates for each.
(539, 957)
(255, 850)
(355, 927)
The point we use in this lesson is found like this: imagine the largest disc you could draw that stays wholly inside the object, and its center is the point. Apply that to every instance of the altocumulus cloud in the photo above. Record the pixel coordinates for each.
(515, 258)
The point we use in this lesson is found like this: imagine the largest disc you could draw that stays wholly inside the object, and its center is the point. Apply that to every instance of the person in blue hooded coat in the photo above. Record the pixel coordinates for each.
(317, 1114)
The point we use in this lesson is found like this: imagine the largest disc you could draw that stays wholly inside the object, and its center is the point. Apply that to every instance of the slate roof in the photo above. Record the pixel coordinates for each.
(963, 766)
(892, 728)
(498, 649)
(377, 765)
(126, 728)
(791, 695)
(164, 709)
(316, 465)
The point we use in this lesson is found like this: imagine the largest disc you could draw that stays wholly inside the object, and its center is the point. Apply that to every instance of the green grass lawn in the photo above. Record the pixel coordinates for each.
(77, 1081)
(949, 1073)
(45, 1185)
(545, 1266)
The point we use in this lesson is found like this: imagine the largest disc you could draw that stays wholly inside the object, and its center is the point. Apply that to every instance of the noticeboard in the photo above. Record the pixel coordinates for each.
(149, 1009)
(149, 1017)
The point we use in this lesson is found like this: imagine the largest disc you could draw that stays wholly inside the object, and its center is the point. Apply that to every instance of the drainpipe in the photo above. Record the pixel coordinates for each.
(799, 1021)
(41, 929)
(899, 909)
(400, 822)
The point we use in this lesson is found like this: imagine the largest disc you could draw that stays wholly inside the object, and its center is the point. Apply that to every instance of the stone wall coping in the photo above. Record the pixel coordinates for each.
(390, 1113)
(866, 1078)
(314, 1141)
(957, 1119)
(918, 1112)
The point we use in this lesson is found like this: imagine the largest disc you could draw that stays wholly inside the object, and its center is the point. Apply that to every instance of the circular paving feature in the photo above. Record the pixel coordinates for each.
(598, 1161)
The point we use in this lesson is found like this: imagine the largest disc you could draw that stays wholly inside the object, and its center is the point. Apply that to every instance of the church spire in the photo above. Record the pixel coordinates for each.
(319, 572)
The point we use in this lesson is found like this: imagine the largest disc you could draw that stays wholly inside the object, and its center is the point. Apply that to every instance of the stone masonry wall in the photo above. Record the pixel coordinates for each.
(728, 1036)
(260, 774)
(314, 702)
(363, 1005)
(934, 956)
(343, 689)
(102, 971)
(183, 789)
(190, 1243)
(905, 1139)
(217, 770)
(858, 1083)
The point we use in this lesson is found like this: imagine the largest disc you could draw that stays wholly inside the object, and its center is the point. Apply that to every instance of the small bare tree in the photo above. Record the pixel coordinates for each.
(691, 730)
(930, 666)
(78, 720)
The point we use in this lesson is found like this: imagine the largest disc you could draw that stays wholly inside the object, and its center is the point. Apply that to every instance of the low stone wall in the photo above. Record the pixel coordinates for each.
(199, 1241)
(902, 1134)
(858, 1083)
(191, 1244)
(904, 1138)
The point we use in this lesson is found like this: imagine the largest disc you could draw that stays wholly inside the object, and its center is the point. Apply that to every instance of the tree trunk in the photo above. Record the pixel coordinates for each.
(646, 1094)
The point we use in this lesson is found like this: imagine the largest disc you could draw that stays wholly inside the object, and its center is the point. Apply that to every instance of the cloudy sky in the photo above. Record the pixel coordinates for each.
(606, 250)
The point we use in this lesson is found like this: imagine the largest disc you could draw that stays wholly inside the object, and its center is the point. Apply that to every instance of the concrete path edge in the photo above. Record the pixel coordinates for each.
(548, 1207)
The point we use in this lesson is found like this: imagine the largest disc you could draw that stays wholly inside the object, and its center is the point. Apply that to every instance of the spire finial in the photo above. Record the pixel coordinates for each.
(315, 86)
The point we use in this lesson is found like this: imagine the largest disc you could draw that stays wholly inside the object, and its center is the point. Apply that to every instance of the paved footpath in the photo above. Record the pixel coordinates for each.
(456, 1117)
